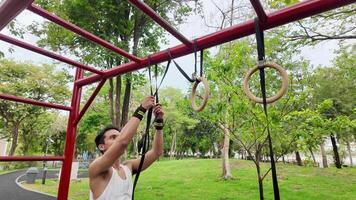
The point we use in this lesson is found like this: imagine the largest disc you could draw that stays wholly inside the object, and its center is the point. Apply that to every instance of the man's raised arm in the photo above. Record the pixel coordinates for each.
(113, 152)
(157, 143)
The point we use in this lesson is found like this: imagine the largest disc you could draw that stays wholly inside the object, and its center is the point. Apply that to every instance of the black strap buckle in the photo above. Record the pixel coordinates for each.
(194, 76)
(261, 64)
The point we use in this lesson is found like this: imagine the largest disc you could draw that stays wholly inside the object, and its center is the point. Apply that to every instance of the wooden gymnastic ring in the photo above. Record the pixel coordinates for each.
(281, 91)
(206, 94)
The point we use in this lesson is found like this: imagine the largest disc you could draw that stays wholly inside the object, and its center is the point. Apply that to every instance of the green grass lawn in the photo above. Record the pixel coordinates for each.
(200, 179)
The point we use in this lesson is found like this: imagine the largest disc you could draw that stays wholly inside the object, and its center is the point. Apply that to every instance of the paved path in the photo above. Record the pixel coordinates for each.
(9, 190)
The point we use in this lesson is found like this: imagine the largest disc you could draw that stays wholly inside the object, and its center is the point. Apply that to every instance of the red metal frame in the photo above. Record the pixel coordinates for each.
(90, 100)
(162, 22)
(11, 8)
(31, 158)
(69, 147)
(34, 102)
(278, 18)
(47, 53)
(76, 29)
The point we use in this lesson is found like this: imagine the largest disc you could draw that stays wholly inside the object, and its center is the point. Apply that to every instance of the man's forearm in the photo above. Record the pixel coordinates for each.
(131, 126)
(157, 145)
(130, 129)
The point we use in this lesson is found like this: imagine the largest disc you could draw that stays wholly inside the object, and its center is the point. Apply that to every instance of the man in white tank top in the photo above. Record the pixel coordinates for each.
(110, 180)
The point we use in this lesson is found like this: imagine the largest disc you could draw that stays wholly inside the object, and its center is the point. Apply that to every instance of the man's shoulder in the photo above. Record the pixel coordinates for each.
(128, 164)
(93, 167)
(93, 162)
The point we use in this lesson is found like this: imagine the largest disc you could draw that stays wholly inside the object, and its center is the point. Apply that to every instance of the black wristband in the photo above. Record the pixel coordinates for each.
(158, 124)
(139, 112)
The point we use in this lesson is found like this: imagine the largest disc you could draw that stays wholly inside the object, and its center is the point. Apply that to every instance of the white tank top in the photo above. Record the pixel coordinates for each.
(117, 188)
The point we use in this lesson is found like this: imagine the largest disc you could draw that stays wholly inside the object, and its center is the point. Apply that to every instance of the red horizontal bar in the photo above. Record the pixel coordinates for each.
(30, 158)
(151, 13)
(33, 102)
(284, 16)
(35, 9)
(90, 100)
(47, 53)
(259, 10)
(10, 9)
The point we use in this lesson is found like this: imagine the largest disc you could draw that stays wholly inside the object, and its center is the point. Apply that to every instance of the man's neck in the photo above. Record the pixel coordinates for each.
(116, 164)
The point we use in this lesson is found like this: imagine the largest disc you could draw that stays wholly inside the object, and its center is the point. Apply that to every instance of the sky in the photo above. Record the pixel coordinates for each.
(194, 27)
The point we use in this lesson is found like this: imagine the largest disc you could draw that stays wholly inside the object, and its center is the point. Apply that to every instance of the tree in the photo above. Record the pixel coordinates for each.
(27, 80)
(33, 133)
(327, 110)
(228, 17)
(57, 133)
(179, 127)
(95, 118)
(304, 127)
(333, 92)
(344, 126)
(119, 23)
(311, 31)
(245, 120)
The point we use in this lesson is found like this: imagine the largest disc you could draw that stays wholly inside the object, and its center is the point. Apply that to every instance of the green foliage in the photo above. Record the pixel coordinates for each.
(318, 102)
(26, 80)
(177, 123)
(337, 84)
(340, 22)
(312, 30)
(281, 3)
(94, 119)
(55, 134)
(33, 134)
(304, 128)
(228, 103)
(30, 81)
(119, 23)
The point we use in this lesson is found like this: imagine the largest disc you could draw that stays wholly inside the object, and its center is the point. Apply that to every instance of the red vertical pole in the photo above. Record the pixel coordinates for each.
(69, 147)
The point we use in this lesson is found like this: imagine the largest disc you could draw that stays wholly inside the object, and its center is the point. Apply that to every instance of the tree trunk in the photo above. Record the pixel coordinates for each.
(111, 101)
(349, 151)
(260, 181)
(178, 155)
(211, 152)
(27, 142)
(336, 153)
(298, 159)
(118, 102)
(312, 154)
(15, 134)
(226, 172)
(25, 139)
(323, 155)
(137, 33)
(126, 103)
(267, 158)
(174, 144)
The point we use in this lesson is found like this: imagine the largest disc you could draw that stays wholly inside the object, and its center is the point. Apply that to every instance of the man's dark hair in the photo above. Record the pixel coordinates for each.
(99, 139)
